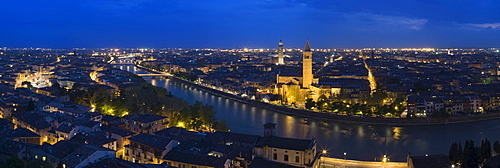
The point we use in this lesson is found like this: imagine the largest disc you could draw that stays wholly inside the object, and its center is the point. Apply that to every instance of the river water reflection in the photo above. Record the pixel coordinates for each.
(360, 142)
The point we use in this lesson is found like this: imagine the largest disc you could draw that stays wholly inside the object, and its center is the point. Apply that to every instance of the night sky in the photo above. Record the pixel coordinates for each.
(249, 23)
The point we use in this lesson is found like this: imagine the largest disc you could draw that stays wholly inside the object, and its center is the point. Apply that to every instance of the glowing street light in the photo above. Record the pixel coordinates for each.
(324, 154)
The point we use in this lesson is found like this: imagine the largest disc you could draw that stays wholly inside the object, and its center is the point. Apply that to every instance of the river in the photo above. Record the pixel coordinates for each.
(358, 141)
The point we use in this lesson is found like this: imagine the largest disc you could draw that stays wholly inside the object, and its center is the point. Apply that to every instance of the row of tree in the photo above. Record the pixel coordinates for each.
(378, 103)
(354, 109)
(148, 99)
(470, 155)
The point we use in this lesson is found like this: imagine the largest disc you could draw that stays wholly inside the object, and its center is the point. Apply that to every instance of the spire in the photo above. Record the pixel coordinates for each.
(307, 48)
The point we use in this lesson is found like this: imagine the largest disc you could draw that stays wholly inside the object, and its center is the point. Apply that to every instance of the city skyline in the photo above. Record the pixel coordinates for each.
(250, 24)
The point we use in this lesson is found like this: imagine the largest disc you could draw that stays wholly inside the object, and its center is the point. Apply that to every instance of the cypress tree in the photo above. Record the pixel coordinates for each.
(460, 153)
(454, 153)
(496, 147)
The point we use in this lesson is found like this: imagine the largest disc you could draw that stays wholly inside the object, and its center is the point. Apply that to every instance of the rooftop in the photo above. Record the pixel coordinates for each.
(154, 141)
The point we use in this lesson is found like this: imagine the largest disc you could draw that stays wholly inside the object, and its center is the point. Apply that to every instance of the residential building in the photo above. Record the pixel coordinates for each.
(147, 148)
(145, 123)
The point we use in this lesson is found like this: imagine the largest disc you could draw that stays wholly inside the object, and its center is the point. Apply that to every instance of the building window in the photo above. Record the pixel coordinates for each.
(275, 156)
(297, 159)
(286, 158)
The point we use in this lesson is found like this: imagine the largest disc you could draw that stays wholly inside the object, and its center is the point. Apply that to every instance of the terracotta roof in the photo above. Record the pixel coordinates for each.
(154, 141)
(190, 157)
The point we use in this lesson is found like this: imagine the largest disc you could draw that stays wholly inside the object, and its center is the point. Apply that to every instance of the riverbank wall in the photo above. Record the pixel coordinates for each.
(345, 118)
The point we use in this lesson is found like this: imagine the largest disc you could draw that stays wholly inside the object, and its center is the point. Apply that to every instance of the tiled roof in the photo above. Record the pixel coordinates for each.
(190, 157)
(20, 132)
(79, 155)
(93, 138)
(154, 141)
(10, 147)
(287, 143)
(224, 136)
(63, 148)
(115, 163)
(120, 131)
(64, 128)
(35, 119)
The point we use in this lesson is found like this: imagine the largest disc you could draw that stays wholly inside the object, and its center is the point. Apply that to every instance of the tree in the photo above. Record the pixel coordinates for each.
(471, 155)
(454, 153)
(460, 153)
(496, 147)
(310, 104)
(13, 162)
(221, 125)
(485, 150)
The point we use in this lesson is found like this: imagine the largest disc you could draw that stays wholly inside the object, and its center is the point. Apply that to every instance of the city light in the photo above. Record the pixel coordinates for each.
(180, 124)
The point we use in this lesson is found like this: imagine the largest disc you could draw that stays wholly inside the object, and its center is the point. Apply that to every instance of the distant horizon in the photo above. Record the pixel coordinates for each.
(275, 48)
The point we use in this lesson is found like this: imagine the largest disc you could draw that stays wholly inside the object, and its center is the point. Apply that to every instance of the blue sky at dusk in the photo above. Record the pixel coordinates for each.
(249, 23)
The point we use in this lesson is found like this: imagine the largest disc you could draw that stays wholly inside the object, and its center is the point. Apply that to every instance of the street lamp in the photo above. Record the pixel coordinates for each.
(324, 154)
(345, 154)
(384, 159)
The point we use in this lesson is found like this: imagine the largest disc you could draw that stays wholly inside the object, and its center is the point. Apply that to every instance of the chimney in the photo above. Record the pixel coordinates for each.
(269, 129)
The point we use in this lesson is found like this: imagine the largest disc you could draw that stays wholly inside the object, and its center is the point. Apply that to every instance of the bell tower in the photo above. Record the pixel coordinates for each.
(280, 53)
(307, 75)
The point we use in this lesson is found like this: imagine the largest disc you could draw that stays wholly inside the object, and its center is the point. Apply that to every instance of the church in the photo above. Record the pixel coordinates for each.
(296, 88)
